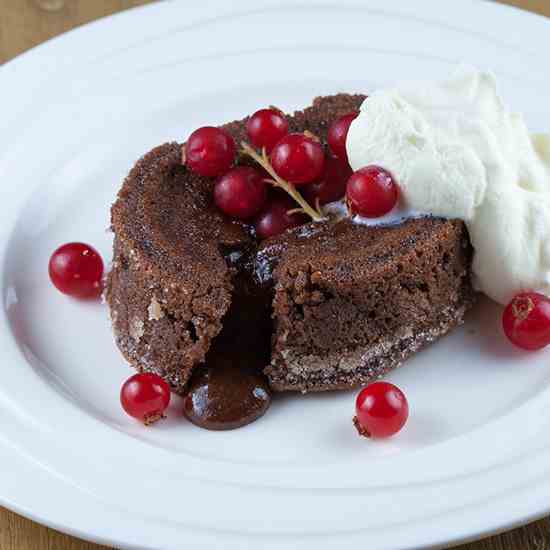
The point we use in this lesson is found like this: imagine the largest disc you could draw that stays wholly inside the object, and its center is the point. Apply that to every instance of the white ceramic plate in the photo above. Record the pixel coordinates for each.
(76, 113)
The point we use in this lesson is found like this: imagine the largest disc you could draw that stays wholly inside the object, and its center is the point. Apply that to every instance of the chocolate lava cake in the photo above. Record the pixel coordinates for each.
(328, 305)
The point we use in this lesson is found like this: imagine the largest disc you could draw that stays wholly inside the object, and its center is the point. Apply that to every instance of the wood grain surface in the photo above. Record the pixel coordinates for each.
(26, 23)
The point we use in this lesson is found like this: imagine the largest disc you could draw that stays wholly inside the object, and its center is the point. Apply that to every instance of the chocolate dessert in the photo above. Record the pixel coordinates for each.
(328, 305)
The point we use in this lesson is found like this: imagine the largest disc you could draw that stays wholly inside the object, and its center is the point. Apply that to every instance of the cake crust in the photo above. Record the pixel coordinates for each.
(169, 287)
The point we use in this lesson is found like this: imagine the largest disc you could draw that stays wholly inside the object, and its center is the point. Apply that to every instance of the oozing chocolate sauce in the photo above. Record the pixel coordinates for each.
(230, 389)
(227, 393)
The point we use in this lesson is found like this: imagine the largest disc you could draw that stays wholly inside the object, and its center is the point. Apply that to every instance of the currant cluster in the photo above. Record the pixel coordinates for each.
(296, 163)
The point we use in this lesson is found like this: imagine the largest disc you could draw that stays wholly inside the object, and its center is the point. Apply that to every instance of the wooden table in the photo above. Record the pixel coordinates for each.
(24, 24)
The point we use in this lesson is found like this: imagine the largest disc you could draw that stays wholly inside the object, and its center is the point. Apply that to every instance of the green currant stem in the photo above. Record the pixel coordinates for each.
(263, 161)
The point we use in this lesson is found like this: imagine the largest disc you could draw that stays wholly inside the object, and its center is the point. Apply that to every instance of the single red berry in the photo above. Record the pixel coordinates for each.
(337, 134)
(526, 321)
(241, 193)
(331, 186)
(209, 151)
(381, 410)
(371, 192)
(145, 396)
(275, 219)
(298, 159)
(266, 127)
(76, 269)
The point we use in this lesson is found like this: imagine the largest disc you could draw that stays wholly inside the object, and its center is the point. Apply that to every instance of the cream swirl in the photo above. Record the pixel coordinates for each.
(456, 151)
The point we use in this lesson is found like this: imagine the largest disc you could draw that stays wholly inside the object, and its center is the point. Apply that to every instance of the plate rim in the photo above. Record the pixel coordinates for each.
(61, 42)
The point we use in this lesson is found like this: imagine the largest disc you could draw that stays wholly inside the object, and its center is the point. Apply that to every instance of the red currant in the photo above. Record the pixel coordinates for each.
(526, 321)
(266, 127)
(145, 396)
(331, 186)
(241, 193)
(209, 151)
(275, 219)
(298, 159)
(337, 134)
(371, 192)
(381, 410)
(76, 269)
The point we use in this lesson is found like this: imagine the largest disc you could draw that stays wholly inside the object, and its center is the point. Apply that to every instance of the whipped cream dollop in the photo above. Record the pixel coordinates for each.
(456, 151)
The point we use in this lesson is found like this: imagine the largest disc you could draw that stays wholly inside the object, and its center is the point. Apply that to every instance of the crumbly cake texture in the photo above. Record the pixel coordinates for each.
(169, 286)
(351, 303)
(348, 302)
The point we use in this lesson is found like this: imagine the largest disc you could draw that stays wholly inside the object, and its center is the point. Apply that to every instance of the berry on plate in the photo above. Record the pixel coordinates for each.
(371, 192)
(381, 410)
(209, 151)
(526, 321)
(76, 269)
(145, 396)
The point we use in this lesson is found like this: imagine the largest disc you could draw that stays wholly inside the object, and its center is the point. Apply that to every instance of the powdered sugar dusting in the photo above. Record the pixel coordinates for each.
(155, 310)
